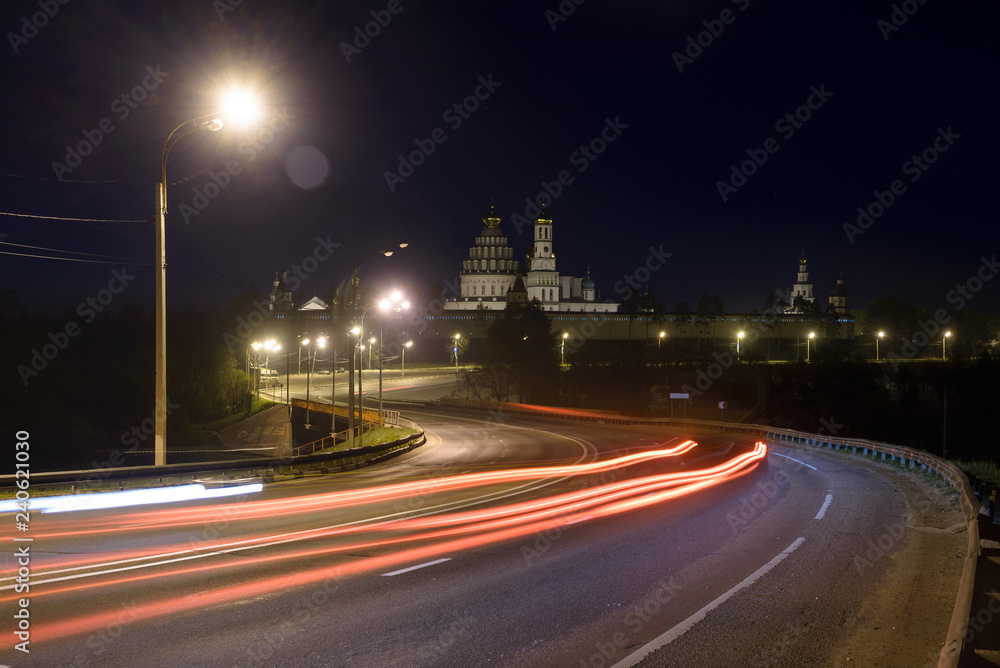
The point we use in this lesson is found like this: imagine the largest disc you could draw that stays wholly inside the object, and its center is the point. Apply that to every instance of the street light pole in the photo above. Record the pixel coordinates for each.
(402, 369)
(944, 338)
(368, 252)
(455, 350)
(808, 341)
(739, 337)
(562, 349)
(880, 335)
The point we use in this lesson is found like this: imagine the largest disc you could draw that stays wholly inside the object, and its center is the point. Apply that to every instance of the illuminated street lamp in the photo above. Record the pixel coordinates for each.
(457, 338)
(394, 302)
(320, 342)
(387, 251)
(812, 335)
(371, 349)
(402, 369)
(660, 338)
(943, 340)
(238, 107)
(880, 335)
(739, 337)
(562, 349)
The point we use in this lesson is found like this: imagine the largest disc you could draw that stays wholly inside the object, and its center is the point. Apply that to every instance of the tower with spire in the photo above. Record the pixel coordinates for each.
(802, 289)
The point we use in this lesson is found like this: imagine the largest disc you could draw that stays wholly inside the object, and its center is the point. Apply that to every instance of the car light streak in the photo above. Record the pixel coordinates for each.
(132, 497)
(476, 521)
(486, 527)
(297, 505)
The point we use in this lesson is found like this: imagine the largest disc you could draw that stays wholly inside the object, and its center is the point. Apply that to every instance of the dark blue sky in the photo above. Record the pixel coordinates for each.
(886, 95)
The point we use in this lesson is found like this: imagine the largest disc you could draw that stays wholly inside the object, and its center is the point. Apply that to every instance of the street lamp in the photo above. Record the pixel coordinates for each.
(659, 339)
(368, 252)
(394, 302)
(812, 335)
(320, 342)
(739, 337)
(457, 337)
(880, 335)
(562, 349)
(402, 369)
(239, 108)
(943, 340)
(371, 349)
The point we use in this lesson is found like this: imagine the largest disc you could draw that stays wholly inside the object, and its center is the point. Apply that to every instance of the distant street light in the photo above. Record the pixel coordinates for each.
(458, 337)
(880, 335)
(394, 302)
(386, 250)
(739, 337)
(660, 338)
(402, 369)
(943, 340)
(562, 349)
(320, 342)
(241, 111)
(812, 335)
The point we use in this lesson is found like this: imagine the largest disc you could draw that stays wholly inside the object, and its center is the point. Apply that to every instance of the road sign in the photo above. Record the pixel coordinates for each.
(680, 395)
(723, 405)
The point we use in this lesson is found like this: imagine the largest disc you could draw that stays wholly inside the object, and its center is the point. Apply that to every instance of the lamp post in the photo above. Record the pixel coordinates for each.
(562, 349)
(368, 252)
(739, 337)
(236, 107)
(812, 335)
(371, 349)
(402, 369)
(660, 338)
(394, 302)
(457, 337)
(880, 335)
(943, 340)
(320, 342)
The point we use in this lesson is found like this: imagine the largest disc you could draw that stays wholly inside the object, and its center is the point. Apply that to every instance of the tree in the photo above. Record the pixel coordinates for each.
(521, 359)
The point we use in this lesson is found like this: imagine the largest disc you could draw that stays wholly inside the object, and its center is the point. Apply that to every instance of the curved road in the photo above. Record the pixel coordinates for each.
(761, 570)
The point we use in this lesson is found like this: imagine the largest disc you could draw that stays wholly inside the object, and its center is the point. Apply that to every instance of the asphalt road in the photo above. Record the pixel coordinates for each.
(759, 570)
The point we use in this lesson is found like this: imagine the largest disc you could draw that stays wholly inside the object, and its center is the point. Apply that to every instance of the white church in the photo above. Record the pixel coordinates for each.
(491, 277)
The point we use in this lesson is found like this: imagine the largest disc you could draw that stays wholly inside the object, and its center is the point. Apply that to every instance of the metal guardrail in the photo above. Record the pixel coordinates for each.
(955, 641)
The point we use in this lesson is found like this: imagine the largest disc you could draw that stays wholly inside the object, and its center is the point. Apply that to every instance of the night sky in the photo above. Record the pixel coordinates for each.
(678, 114)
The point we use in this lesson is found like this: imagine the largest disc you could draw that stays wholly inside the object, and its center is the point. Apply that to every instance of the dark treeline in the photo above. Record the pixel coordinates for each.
(85, 389)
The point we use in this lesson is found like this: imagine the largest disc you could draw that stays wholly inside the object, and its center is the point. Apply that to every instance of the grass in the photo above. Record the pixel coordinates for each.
(987, 471)
(257, 406)
(379, 435)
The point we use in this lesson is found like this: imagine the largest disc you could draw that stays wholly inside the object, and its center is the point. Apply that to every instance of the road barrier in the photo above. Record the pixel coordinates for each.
(222, 473)
(955, 642)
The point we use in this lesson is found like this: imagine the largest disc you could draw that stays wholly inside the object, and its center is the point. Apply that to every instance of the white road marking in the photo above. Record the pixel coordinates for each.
(795, 460)
(413, 568)
(685, 626)
(826, 504)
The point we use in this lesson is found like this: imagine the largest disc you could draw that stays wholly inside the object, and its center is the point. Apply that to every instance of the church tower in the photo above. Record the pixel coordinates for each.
(838, 299)
(802, 288)
(281, 296)
(543, 280)
(490, 270)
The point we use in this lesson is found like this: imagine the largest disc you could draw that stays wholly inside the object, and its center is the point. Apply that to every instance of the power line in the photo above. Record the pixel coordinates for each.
(73, 259)
(81, 220)
(69, 252)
